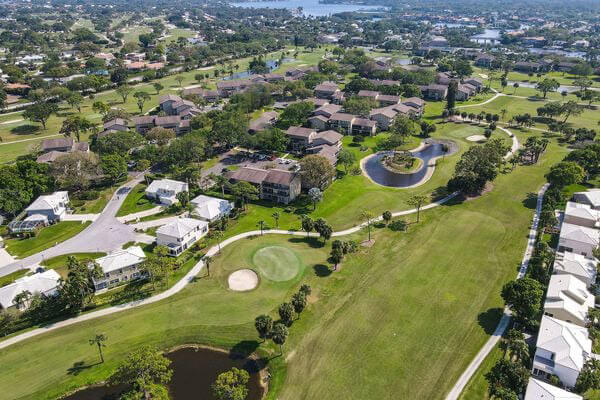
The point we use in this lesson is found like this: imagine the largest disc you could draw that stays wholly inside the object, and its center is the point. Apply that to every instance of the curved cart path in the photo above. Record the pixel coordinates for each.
(503, 324)
(190, 276)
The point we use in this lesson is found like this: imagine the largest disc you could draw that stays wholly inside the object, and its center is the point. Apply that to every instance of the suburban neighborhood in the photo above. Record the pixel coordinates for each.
(235, 200)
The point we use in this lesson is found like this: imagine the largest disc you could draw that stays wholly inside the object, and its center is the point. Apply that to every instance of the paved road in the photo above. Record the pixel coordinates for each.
(105, 234)
(503, 324)
(188, 278)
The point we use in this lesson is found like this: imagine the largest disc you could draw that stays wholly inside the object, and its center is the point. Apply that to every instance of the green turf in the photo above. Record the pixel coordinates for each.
(136, 201)
(431, 290)
(46, 238)
(477, 387)
(277, 263)
(59, 263)
(10, 278)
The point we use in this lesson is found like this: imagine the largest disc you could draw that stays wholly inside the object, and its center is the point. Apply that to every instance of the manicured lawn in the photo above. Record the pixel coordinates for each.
(433, 290)
(59, 264)
(46, 238)
(25, 129)
(10, 278)
(96, 206)
(514, 106)
(477, 387)
(136, 201)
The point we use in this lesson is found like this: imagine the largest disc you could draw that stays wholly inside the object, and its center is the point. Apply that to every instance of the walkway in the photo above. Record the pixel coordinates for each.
(141, 214)
(190, 276)
(105, 234)
(503, 324)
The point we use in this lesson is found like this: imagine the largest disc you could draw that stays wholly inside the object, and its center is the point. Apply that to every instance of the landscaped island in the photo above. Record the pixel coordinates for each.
(402, 162)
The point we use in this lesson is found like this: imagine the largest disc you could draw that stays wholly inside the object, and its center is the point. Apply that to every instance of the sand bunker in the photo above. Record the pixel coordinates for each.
(476, 138)
(243, 280)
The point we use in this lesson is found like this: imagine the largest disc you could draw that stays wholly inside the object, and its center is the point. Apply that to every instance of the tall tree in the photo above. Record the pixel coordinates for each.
(279, 335)
(75, 125)
(416, 201)
(124, 90)
(367, 216)
(231, 385)
(141, 98)
(40, 112)
(315, 195)
(141, 369)
(264, 325)
(98, 340)
(286, 313)
(524, 297)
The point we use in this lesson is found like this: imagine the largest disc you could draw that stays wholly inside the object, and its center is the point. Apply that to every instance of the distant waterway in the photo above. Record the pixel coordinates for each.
(310, 8)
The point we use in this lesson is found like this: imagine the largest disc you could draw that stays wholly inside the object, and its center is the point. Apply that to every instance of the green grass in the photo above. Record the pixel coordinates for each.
(477, 387)
(434, 289)
(136, 201)
(46, 238)
(277, 263)
(10, 278)
(96, 206)
(27, 130)
(59, 263)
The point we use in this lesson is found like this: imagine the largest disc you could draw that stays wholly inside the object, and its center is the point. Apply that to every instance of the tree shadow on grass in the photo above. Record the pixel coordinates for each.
(312, 241)
(243, 349)
(26, 129)
(79, 366)
(322, 270)
(530, 200)
(489, 319)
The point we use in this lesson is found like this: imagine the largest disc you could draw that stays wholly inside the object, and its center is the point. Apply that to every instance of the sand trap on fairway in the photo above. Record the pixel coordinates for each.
(476, 138)
(243, 280)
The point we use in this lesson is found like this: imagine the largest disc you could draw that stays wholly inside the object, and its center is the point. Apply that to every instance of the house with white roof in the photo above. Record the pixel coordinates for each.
(50, 208)
(180, 234)
(578, 239)
(591, 198)
(165, 190)
(562, 350)
(582, 215)
(211, 208)
(44, 283)
(120, 267)
(539, 390)
(576, 265)
(568, 299)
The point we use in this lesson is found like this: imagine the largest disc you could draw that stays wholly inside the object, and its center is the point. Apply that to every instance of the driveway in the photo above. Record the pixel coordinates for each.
(105, 234)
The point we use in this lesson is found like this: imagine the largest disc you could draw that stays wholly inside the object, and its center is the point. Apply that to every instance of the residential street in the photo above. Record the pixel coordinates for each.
(104, 234)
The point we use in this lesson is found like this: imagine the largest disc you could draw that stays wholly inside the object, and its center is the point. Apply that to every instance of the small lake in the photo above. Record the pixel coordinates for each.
(310, 8)
(271, 64)
(374, 168)
(532, 85)
(573, 54)
(194, 371)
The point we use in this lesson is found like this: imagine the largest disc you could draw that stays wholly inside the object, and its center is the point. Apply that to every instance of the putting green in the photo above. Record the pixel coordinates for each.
(277, 263)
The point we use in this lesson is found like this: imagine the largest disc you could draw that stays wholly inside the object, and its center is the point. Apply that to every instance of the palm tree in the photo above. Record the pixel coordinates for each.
(218, 235)
(261, 223)
(275, 216)
(22, 299)
(99, 340)
(416, 201)
(207, 261)
(368, 216)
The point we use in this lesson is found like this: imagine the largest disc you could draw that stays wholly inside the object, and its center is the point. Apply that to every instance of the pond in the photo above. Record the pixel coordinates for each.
(271, 65)
(194, 371)
(312, 8)
(433, 149)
